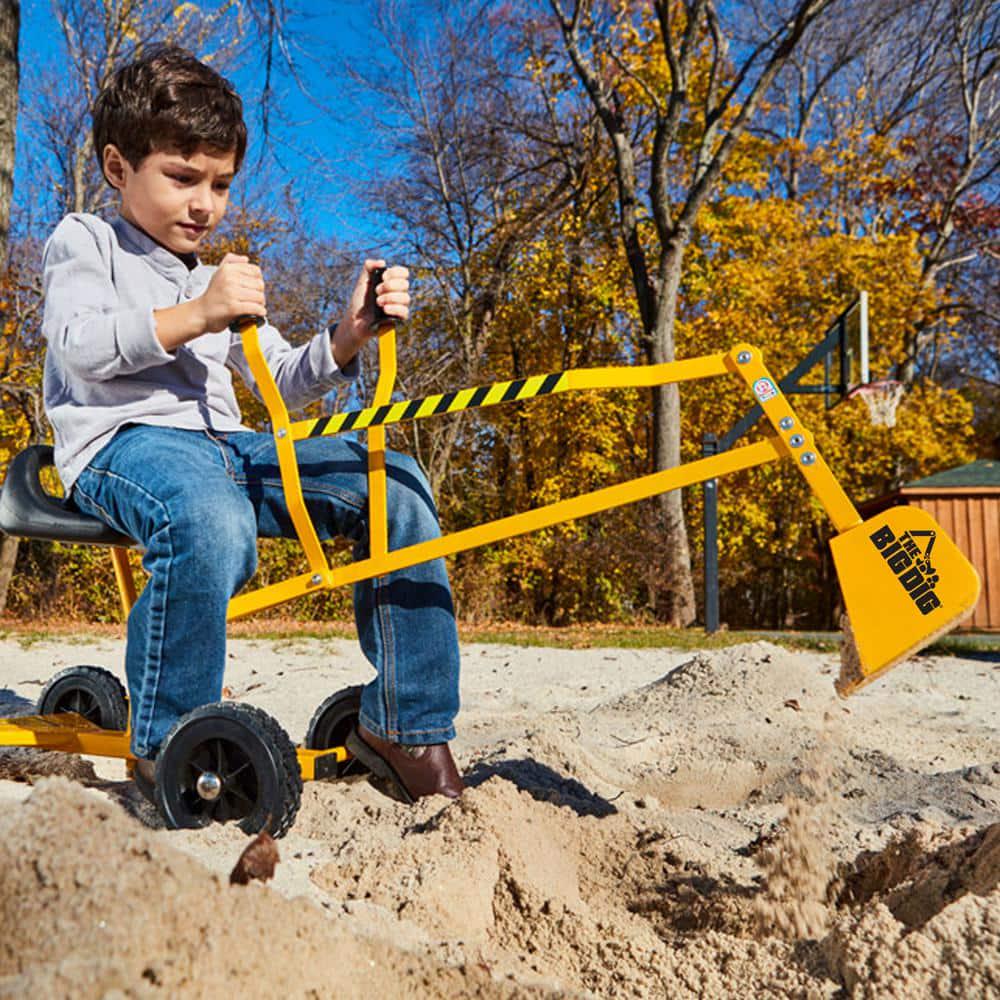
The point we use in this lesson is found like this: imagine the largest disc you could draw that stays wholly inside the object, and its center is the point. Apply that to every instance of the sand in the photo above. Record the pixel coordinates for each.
(639, 823)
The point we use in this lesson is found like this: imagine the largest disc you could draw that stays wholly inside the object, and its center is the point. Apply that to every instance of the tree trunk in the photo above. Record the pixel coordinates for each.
(678, 585)
(8, 556)
(10, 29)
(10, 26)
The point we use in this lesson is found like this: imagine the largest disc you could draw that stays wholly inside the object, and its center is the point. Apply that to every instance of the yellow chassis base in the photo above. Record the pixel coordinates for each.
(71, 733)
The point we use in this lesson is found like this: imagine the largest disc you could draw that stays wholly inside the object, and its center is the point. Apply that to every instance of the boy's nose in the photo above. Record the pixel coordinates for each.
(201, 202)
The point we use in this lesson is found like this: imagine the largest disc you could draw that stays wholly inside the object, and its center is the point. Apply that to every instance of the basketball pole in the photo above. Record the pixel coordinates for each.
(710, 492)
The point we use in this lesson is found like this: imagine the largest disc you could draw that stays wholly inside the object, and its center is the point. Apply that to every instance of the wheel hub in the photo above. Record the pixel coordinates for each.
(209, 786)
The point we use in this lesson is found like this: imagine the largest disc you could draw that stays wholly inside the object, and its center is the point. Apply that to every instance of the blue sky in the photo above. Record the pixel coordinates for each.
(332, 31)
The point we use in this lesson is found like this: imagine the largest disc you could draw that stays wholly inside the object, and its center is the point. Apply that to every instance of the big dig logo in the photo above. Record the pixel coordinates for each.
(911, 562)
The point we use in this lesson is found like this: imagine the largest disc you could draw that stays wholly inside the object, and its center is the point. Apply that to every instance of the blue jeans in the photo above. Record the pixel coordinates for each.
(197, 501)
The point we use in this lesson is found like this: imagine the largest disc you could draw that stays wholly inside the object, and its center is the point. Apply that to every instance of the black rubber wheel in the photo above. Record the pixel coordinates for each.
(259, 785)
(93, 692)
(332, 722)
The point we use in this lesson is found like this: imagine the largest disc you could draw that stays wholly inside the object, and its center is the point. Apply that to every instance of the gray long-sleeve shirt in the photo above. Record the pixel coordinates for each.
(105, 368)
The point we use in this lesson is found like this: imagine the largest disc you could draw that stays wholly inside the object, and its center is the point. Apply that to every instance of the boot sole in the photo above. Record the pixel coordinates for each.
(377, 764)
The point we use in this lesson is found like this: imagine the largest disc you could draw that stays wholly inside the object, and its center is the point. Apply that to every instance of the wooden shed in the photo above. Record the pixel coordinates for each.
(966, 502)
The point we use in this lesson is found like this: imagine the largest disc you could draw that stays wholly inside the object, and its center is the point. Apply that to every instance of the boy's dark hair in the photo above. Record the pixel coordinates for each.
(164, 99)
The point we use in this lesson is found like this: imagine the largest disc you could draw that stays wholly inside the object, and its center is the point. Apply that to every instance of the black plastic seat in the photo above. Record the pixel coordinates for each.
(27, 511)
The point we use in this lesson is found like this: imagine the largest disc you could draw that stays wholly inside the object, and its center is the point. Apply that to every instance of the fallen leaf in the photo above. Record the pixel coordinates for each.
(257, 861)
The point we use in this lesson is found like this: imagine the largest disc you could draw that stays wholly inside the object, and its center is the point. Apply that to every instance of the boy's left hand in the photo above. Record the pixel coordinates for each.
(357, 327)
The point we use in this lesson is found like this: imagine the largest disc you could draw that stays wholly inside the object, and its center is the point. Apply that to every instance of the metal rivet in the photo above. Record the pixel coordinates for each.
(796, 440)
(282, 432)
(743, 357)
(786, 423)
(315, 580)
(808, 458)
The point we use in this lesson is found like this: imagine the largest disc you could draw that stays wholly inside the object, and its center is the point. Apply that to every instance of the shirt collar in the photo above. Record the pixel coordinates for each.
(176, 267)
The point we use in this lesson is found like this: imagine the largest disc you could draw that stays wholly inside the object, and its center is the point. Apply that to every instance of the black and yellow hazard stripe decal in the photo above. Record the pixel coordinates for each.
(448, 402)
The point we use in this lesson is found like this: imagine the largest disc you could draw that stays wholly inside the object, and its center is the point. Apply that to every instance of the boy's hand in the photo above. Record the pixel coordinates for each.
(236, 289)
(356, 327)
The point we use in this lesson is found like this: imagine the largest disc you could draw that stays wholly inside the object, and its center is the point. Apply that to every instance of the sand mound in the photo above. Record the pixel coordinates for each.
(537, 891)
(753, 677)
(955, 954)
(29, 764)
(501, 885)
(719, 728)
(92, 903)
(921, 872)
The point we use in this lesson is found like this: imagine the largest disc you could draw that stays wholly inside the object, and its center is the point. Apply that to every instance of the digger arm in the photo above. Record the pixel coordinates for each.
(886, 594)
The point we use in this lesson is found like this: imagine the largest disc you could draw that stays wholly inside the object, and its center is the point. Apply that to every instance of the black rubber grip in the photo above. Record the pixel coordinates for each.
(241, 321)
(381, 318)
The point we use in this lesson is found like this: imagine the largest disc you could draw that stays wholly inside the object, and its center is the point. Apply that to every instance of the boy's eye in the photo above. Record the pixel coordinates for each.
(186, 179)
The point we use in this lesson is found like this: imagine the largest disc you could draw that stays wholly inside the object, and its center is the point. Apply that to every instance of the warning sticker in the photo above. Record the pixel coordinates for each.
(764, 389)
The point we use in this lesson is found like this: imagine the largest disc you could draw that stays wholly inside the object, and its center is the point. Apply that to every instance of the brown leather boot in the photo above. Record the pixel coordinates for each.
(413, 771)
(143, 774)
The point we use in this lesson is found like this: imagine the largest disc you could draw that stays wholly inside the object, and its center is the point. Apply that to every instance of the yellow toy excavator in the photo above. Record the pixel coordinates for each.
(904, 581)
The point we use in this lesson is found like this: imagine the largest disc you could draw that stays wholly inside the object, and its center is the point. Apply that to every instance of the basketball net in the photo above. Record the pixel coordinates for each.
(882, 399)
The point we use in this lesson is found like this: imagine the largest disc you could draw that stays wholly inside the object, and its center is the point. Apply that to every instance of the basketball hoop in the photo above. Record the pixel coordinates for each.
(881, 398)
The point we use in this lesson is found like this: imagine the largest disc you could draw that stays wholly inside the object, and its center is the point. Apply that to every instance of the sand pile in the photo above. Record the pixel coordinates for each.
(91, 903)
(639, 823)
(925, 870)
(534, 890)
(609, 905)
(712, 731)
(30, 764)
(498, 885)
(955, 954)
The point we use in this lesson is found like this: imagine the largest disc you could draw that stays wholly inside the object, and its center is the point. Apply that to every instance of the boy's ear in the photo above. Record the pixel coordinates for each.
(114, 165)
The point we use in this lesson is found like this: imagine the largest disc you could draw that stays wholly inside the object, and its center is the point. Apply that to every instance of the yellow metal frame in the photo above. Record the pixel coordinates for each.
(790, 440)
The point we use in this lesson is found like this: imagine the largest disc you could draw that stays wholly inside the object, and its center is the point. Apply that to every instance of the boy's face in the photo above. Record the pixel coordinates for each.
(178, 200)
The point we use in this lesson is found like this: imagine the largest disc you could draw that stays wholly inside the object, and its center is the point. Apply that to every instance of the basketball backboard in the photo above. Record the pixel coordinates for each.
(846, 365)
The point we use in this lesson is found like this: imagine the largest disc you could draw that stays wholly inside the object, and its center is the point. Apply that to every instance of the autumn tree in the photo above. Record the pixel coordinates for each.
(477, 166)
(903, 137)
(674, 107)
(768, 270)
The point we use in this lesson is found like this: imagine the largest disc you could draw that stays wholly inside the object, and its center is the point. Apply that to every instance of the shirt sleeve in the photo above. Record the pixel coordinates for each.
(302, 374)
(92, 337)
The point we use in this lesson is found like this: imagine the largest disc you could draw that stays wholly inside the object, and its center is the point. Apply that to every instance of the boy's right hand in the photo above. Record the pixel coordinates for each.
(236, 289)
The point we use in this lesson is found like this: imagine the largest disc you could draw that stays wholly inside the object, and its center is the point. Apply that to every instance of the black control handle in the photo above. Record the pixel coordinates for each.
(382, 318)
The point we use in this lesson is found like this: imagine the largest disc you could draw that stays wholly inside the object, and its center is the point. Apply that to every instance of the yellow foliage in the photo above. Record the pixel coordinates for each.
(761, 269)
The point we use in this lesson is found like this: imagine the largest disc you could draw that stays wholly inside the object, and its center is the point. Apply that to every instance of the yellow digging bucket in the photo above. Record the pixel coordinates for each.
(904, 583)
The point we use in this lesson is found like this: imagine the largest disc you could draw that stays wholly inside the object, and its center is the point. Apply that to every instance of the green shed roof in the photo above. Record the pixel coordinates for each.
(985, 472)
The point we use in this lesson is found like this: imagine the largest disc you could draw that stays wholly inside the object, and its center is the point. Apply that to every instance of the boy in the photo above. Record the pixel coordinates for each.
(148, 435)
